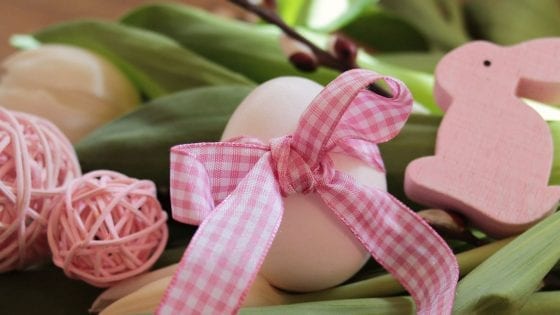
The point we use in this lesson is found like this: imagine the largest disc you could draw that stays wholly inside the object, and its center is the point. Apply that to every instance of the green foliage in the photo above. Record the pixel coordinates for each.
(382, 31)
(510, 22)
(322, 15)
(380, 306)
(505, 281)
(440, 21)
(138, 144)
(230, 44)
(555, 174)
(157, 65)
(253, 50)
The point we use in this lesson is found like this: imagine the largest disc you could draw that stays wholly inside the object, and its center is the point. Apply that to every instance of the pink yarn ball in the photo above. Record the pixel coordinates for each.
(110, 227)
(36, 163)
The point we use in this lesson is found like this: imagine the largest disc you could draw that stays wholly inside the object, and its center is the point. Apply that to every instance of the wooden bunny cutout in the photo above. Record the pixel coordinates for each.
(493, 153)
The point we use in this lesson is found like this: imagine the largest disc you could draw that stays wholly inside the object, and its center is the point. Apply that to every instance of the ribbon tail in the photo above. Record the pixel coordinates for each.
(224, 256)
(399, 240)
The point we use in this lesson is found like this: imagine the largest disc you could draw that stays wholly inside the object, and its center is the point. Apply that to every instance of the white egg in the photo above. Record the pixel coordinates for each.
(313, 249)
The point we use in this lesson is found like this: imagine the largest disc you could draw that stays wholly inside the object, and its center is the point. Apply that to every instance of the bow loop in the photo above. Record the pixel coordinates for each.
(346, 110)
(213, 171)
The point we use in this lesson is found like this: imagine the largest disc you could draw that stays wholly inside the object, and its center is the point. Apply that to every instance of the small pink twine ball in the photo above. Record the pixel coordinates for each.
(110, 227)
(36, 164)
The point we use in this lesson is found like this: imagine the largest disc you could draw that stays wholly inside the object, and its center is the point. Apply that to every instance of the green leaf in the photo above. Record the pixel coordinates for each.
(417, 61)
(384, 32)
(419, 83)
(234, 45)
(378, 306)
(329, 16)
(24, 41)
(138, 144)
(45, 289)
(250, 49)
(555, 174)
(416, 139)
(505, 281)
(509, 22)
(170, 256)
(321, 15)
(540, 303)
(543, 303)
(441, 21)
(292, 12)
(157, 65)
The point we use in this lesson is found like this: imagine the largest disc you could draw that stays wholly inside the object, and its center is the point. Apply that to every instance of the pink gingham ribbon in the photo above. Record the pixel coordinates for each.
(234, 191)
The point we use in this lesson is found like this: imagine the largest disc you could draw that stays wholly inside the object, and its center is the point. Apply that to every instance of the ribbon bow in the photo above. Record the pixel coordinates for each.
(234, 191)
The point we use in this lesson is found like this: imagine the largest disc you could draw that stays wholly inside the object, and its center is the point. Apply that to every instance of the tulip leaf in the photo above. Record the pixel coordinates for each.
(508, 22)
(322, 15)
(380, 306)
(383, 31)
(157, 65)
(416, 139)
(505, 281)
(250, 49)
(417, 61)
(555, 174)
(138, 144)
(440, 21)
(542, 303)
(44, 288)
(292, 12)
(232, 45)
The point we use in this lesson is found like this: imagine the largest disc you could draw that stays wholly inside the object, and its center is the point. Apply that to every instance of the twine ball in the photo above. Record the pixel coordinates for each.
(110, 227)
(36, 163)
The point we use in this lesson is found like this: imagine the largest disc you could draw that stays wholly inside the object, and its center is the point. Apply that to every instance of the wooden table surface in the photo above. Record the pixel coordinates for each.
(24, 16)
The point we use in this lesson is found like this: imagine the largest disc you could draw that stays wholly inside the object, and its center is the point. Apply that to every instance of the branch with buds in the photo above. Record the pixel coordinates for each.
(302, 53)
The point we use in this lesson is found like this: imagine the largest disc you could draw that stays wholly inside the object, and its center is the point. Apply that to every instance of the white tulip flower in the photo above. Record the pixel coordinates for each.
(72, 87)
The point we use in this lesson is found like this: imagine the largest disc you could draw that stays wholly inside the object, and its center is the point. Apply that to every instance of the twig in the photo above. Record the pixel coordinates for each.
(324, 58)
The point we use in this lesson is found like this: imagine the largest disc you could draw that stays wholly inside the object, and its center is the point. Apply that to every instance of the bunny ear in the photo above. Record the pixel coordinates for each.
(539, 62)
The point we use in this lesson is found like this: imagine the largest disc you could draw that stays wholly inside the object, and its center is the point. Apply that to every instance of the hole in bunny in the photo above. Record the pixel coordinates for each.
(381, 87)
(487, 63)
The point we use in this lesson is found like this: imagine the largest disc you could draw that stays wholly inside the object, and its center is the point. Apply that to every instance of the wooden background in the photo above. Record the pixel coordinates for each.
(24, 16)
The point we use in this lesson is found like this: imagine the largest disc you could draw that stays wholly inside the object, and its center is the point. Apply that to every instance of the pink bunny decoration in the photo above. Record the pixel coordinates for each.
(493, 152)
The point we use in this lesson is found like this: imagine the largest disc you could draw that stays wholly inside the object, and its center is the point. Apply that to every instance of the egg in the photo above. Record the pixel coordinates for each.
(313, 249)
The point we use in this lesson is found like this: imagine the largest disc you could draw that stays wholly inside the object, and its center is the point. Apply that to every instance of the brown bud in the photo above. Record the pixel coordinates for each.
(303, 61)
(299, 54)
(343, 49)
(269, 5)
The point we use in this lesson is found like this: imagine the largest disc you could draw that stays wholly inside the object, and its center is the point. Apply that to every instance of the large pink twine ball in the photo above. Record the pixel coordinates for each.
(36, 163)
(110, 227)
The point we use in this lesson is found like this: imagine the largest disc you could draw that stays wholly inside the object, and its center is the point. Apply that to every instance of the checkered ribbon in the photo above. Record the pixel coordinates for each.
(234, 191)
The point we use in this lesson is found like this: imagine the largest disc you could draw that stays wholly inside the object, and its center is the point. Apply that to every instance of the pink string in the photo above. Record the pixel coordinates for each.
(36, 163)
(110, 227)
